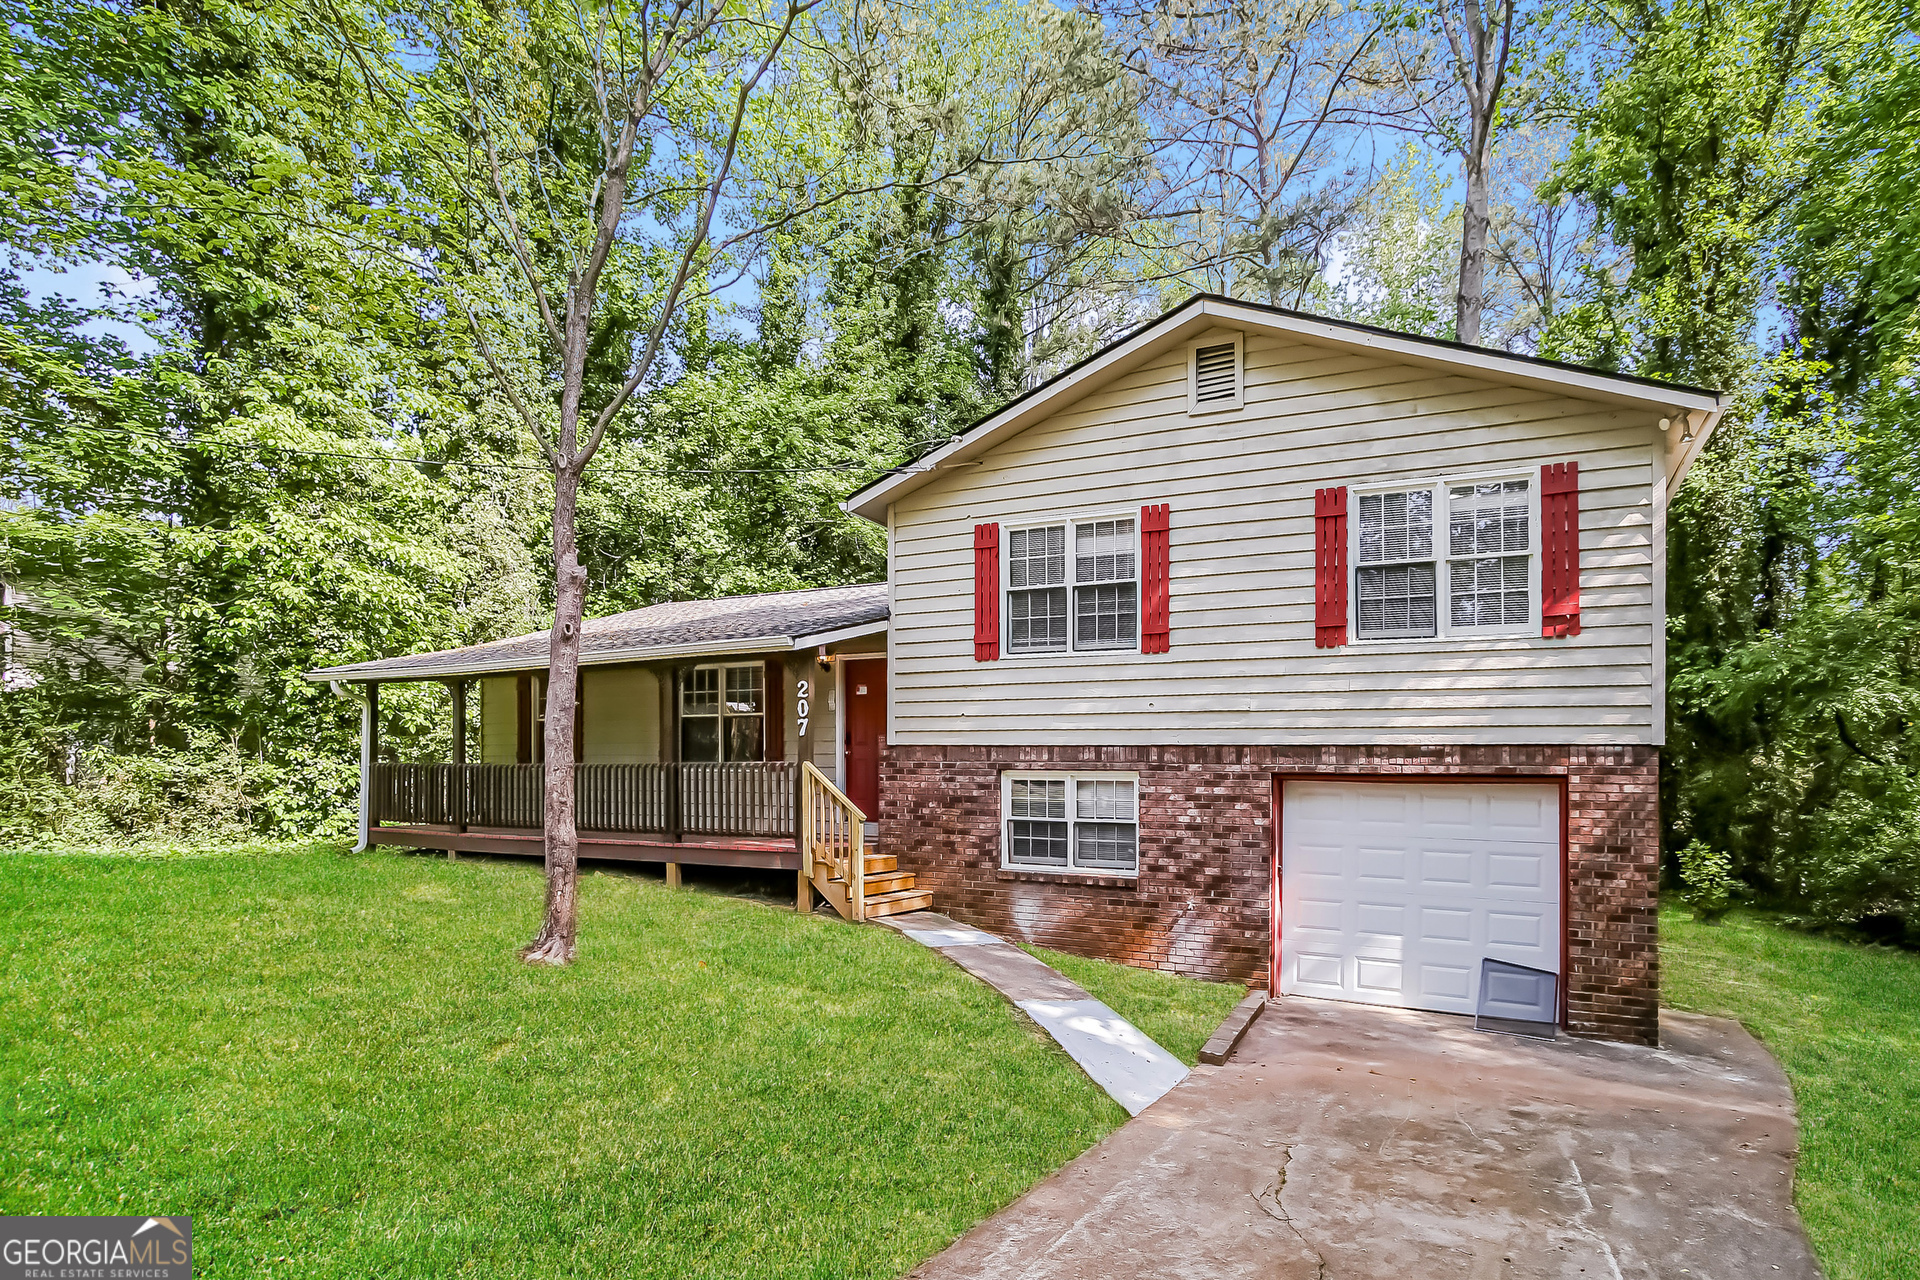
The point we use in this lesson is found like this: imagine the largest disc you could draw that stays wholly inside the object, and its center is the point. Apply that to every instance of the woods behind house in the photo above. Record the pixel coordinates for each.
(248, 433)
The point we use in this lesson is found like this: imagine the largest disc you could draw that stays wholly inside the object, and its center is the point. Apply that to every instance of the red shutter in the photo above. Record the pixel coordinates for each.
(1155, 522)
(986, 592)
(1560, 549)
(1330, 568)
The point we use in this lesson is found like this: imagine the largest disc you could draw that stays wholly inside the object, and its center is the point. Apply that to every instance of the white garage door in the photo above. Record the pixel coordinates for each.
(1392, 893)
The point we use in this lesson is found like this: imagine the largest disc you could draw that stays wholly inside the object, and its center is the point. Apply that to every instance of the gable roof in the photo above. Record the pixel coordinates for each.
(1205, 311)
(685, 628)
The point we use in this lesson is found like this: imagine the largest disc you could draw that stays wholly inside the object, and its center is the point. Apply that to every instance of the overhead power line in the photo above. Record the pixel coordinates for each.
(406, 460)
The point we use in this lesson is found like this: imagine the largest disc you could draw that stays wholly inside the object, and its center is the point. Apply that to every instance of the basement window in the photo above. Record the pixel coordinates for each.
(1066, 822)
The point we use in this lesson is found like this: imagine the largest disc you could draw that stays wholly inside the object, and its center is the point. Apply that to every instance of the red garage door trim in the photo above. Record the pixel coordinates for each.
(1280, 781)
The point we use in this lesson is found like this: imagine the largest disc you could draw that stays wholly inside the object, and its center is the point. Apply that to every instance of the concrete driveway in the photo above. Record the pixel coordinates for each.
(1345, 1141)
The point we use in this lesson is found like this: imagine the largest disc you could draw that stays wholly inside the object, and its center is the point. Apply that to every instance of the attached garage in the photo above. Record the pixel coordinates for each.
(1393, 892)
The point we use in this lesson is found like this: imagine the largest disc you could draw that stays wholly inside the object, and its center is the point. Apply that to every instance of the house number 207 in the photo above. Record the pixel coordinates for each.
(806, 687)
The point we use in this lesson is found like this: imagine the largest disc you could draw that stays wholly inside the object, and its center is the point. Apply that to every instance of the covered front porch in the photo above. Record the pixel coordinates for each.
(713, 733)
(700, 812)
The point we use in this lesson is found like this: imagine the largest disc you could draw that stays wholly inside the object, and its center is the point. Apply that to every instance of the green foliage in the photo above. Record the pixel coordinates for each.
(340, 1060)
(1753, 164)
(1706, 880)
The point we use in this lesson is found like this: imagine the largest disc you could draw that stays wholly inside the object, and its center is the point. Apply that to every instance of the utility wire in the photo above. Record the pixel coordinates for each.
(183, 445)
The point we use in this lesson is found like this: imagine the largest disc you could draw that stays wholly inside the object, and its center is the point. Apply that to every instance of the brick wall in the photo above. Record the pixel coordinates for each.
(1200, 905)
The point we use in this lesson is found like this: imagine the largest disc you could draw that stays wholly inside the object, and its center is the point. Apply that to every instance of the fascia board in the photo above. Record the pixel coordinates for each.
(1684, 453)
(1206, 312)
(1494, 366)
(363, 673)
(844, 633)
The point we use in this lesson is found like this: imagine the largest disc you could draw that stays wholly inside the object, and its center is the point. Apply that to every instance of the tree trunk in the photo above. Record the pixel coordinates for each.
(554, 945)
(1474, 222)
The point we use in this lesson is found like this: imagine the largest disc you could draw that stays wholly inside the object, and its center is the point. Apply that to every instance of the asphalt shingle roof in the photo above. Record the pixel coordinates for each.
(780, 618)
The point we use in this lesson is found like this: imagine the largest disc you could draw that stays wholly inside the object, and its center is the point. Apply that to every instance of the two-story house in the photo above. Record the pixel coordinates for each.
(1256, 646)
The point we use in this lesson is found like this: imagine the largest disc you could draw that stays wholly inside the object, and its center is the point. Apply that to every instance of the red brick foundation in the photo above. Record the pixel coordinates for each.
(1200, 905)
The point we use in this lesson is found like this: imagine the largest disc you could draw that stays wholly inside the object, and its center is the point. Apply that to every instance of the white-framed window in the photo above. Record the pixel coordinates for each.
(1073, 586)
(1455, 557)
(1071, 822)
(723, 712)
(1215, 374)
(1037, 589)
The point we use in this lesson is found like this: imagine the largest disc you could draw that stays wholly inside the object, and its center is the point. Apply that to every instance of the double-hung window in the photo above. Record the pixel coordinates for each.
(1037, 589)
(723, 713)
(1395, 577)
(1448, 558)
(1085, 601)
(1072, 822)
(1489, 561)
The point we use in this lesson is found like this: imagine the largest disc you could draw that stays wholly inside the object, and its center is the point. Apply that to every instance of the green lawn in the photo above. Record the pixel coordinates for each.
(1845, 1022)
(339, 1068)
(1178, 1013)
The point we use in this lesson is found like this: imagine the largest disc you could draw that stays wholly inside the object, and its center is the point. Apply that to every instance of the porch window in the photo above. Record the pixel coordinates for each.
(1072, 822)
(723, 713)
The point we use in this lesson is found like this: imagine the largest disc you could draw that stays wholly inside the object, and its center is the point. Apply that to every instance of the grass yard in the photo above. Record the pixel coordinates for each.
(1178, 1013)
(338, 1067)
(1844, 1020)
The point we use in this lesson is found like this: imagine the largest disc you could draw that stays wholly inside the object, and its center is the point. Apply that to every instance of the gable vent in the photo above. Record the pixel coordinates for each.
(1216, 374)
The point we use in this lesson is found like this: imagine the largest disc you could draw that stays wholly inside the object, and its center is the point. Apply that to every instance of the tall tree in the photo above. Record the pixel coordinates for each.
(597, 151)
(1480, 37)
(1252, 105)
(168, 492)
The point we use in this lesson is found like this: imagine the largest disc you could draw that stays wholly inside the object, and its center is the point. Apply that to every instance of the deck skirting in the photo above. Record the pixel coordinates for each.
(778, 855)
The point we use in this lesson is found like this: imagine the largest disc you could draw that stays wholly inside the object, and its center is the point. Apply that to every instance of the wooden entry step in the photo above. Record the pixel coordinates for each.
(899, 901)
(836, 861)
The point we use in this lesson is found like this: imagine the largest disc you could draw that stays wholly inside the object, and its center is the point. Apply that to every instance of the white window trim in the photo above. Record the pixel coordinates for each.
(720, 711)
(1444, 631)
(1072, 778)
(1072, 522)
(1194, 407)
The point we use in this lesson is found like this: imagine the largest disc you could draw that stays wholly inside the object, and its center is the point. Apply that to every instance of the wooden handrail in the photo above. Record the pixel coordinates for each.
(832, 833)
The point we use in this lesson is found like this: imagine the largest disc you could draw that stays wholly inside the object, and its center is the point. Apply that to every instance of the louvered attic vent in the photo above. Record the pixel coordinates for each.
(1216, 375)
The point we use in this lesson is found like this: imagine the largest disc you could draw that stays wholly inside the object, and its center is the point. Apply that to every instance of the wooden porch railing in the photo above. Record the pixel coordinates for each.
(692, 798)
(832, 837)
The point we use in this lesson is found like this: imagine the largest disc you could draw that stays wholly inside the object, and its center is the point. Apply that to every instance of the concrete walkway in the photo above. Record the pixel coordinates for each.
(1118, 1055)
(1345, 1141)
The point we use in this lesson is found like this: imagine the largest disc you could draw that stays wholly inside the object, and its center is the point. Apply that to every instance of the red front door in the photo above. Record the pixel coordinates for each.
(865, 683)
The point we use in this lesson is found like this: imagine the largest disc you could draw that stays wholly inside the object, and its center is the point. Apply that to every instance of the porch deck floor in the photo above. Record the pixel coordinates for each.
(702, 851)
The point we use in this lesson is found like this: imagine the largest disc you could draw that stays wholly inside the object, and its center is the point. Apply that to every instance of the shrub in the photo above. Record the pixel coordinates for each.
(1707, 881)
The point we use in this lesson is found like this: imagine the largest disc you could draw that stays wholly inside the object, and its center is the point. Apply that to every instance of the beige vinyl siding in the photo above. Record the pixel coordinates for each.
(825, 719)
(499, 720)
(622, 720)
(1243, 666)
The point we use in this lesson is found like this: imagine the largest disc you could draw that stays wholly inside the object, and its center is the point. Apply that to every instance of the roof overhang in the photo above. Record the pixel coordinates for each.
(1700, 409)
(383, 672)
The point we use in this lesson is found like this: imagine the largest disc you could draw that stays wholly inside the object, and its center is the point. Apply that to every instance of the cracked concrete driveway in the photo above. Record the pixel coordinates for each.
(1341, 1140)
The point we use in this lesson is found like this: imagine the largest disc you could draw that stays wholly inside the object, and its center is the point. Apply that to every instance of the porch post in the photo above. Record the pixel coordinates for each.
(369, 748)
(459, 761)
(804, 694)
(674, 791)
(676, 782)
